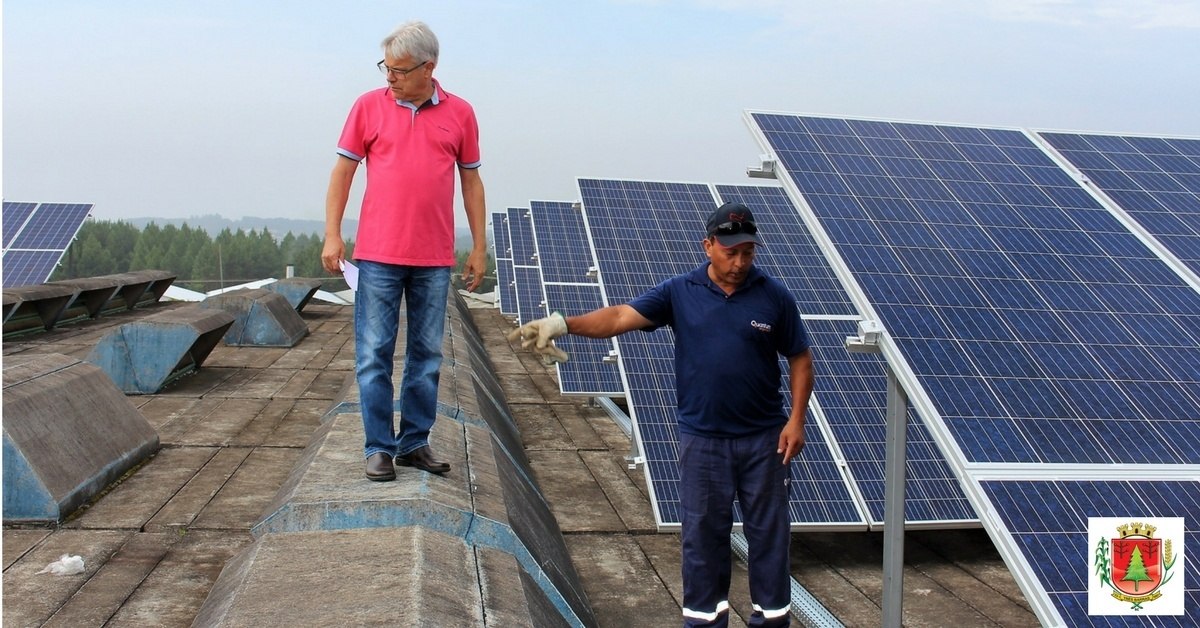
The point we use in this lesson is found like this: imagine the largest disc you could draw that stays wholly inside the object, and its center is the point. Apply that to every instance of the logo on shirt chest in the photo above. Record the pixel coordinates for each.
(763, 327)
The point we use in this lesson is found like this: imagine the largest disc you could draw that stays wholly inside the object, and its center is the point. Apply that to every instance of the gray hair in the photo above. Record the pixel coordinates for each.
(412, 39)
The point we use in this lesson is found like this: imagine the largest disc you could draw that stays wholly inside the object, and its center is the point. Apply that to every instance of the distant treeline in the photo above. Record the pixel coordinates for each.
(199, 261)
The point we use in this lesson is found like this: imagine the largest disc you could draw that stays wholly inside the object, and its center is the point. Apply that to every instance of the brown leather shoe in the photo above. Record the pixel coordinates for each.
(379, 467)
(422, 458)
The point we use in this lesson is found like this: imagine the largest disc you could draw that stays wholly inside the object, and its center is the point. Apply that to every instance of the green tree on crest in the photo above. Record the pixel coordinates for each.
(1136, 572)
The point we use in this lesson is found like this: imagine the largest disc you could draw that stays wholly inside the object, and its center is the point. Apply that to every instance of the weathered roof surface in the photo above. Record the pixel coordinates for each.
(232, 434)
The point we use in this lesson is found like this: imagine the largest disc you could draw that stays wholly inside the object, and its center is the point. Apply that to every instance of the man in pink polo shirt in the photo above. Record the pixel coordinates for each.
(413, 136)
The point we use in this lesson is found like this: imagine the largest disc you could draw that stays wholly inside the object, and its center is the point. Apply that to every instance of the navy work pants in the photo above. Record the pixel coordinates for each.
(713, 471)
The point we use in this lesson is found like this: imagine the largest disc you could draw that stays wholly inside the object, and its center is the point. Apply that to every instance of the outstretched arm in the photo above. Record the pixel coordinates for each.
(607, 322)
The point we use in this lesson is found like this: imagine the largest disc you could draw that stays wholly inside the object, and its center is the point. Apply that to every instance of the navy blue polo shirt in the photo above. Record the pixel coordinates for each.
(727, 349)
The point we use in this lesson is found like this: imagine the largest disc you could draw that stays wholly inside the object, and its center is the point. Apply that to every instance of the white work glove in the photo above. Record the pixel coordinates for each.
(539, 336)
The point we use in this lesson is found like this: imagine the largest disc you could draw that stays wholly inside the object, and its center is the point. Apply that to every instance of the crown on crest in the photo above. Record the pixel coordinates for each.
(1136, 528)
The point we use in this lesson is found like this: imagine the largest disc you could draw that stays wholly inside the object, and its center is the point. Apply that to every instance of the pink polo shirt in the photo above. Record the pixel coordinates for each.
(411, 156)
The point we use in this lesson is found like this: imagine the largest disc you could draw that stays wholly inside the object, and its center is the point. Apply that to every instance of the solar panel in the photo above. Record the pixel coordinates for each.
(29, 268)
(570, 287)
(670, 219)
(526, 272)
(15, 215)
(1048, 522)
(1156, 180)
(562, 242)
(851, 394)
(531, 304)
(1034, 332)
(500, 237)
(52, 226)
(1039, 327)
(592, 369)
(36, 236)
(506, 280)
(506, 289)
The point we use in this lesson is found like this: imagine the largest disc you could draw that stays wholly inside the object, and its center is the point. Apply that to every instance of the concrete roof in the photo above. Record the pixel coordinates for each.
(234, 432)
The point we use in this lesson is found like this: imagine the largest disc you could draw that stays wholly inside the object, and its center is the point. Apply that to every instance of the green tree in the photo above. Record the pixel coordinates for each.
(87, 257)
(267, 260)
(205, 272)
(148, 251)
(119, 240)
(1136, 571)
(175, 245)
(198, 261)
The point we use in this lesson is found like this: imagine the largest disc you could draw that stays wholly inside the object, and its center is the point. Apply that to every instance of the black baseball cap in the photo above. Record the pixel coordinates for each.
(733, 224)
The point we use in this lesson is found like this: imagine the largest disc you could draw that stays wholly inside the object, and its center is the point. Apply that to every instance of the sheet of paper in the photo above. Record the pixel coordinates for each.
(350, 272)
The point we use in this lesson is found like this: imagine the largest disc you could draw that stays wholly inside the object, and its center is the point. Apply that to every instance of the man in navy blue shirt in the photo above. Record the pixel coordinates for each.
(731, 322)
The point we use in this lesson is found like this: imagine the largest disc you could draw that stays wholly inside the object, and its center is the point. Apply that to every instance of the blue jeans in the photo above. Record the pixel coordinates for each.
(381, 287)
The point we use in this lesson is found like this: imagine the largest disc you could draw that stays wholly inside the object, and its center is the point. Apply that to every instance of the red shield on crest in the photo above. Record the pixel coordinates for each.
(1137, 565)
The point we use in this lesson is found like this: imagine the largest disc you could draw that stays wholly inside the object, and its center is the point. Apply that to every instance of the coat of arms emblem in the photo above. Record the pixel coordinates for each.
(1135, 564)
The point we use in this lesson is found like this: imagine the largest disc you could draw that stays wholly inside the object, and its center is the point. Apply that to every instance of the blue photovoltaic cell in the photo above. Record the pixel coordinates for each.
(851, 389)
(52, 226)
(29, 268)
(562, 249)
(506, 280)
(586, 372)
(526, 273)
(15, 215)
(1048, 520)
(566, 259)
(500, 235)
(530, 302)
(1156, 180)
(789, 252)
(1040, 328)
(506, 289)
(670, 219)
(35, 237)
(521, 242)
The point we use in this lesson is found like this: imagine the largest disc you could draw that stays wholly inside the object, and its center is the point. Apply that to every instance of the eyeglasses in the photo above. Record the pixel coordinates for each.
(383, 67)
(731, 228)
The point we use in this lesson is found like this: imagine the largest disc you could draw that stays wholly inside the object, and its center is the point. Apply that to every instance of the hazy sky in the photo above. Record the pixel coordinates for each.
(177, 109)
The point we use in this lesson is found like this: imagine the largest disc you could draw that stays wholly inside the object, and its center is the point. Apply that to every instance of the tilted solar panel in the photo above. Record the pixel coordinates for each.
(1040, 328)
(29, 268)
(527, 275)
(520, 233)
(571, 287)
(851, 390)
(531, 304)
(592, 368)
(52, 226)
(1048, 522)
(1156, 180)
(15, 215)
(506, 289)
(562, 242)
(36, 236)
(1037, 335)
(506, 280)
